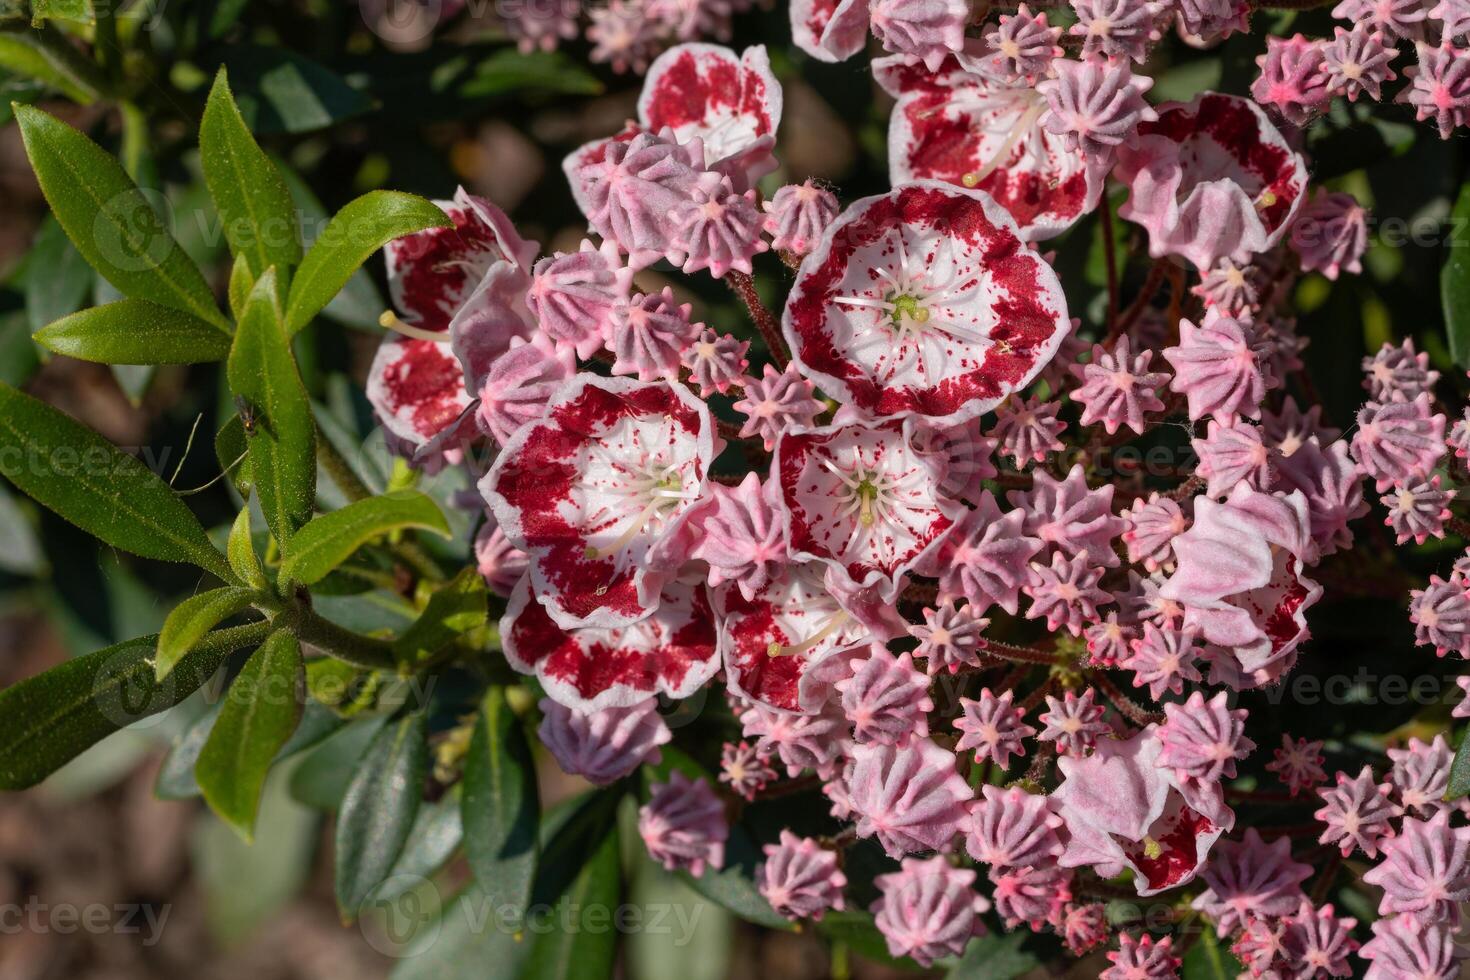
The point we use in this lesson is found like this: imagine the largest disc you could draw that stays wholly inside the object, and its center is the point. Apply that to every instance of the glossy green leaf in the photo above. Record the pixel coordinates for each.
(332, 538)
(47, 720)
(176, 774)
(282, 435)
(58, 280)
(378, 810)
(135, 331)
(240, 550)
(357, 231)
(459, 606)
(253, 200)
(501, 810)
(110, 221)
(68, 468)
(47, 56)
(1207, 960)
(585, 946)
(261, 711)
(1454, 279)
(998, 956)
(191, 620)
(324, 774)
(281, 91)
(78, 11)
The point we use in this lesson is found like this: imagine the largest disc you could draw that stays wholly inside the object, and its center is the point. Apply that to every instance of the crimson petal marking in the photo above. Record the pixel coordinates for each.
(670, 652)
(550, 490)
(416, 388)
(999, 313)
(830, 30)
(732, 103)
(953, 123)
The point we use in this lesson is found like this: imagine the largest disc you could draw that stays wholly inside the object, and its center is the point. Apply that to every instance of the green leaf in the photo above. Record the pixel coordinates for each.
(240, 550)
(500, 811)
(47, 56)
(324, 774)
(459, 606)
(252, 198)
(995, 957)
(1454, 279)
(1207, 961)
(241, 282)
(579, 945)
(344, 689)
(378, 810)
(135, 331)
(1460, 770)
(19, 356)
(332, 538)
(110, 221)
(357, 231)
(281, 91)
(261, 711)
(191, 620)
(282, 436)
(57, 279)
(48, 720)
(509, 71)
(77, 11)
(68, 468)
(176, 775)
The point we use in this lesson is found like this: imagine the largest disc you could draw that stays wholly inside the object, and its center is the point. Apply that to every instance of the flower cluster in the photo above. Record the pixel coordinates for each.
(883, 522)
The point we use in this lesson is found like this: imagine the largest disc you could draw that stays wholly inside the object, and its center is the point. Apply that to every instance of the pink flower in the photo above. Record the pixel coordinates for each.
(1011, 828)
(993, 727)
(718, 229)
(1418, 511)
(1082, 926)
(928, 909)
(603, 746)
(1124, 810)
(1095, 105)
(741, 534)
(1162, 660)
(1248, 878)
(1298, 763)
(715, 362)
(1108, 641)
(924, 301)
(1396, 19)
(1357, 62)
(885, 699)
(1331, 234)
(1293, 78)
(1356, 813)
(969, 127)
(797, 215)
(683, 825)
(1290, 428)
(984, 557)
(576, 295)
(1066, 592)
(1070, 516)
(1440, 613)
(1234, 289)
(1218, 368)
(1073, 722)
(909, 796)
(1332, 485)
(1440, 88)
(596, 488)
(745, 768)
(622, 35)
(1033, 895)
(966, 453)
(1403, 946)
(1240, 578)
(521, 383)
(649, 334)
(1028, 430)
(501, 563)
(925, 29)
(1396, 374)
(1319, 941)
(1398, 442)
(802, 741)
(779, 401)
(1240, 205)
(1232, 455)
(829, 31)
(1141, 959)
(1150, 527)
(950, 638)
(671, 651)
(1202, 22)
(1117, 388)
(863, 499)
(543, 25)
(800, 878)
(1459, 437)
(1425, 869)
(1462, 707)
(1022, 47)
(1116, 28)
(1421, 775)
(630, 188)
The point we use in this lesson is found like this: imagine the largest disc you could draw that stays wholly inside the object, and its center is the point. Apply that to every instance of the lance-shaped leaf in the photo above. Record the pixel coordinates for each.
(110, 221)
(261, 711)
(378, 810)
(57, 279)
(135, 331)
(191, 620)
(280, 431)
(251, 195)
(240, 550)
(46, 55)
(582, 873)
(331, 539)
(70, 469)
(48, 720)
(356, 232)
(501, 812)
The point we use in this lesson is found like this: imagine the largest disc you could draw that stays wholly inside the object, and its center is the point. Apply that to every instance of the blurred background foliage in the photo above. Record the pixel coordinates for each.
(349, 102)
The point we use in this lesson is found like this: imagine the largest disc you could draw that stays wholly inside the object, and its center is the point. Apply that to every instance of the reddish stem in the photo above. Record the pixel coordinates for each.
(1019, 654)
(1130, 709)
(744, 287)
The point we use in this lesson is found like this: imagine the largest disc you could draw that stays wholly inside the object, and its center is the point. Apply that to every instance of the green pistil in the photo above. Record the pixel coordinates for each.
(906, 307)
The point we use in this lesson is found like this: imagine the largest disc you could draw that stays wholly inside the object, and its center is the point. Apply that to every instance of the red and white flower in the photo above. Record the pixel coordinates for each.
(830, 30)
(924, 301)
(670, 652)
(596, 491)
(971, 128)
(863, 499)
